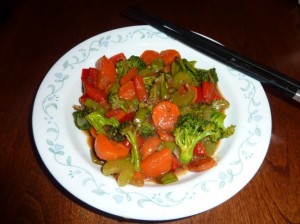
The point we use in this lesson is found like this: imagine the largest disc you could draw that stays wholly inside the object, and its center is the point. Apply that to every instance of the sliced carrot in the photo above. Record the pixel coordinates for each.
(165, 136)
(127, 91)
(157, 163)
(140, 88)
(138, 179)
(149, 55)
(107, 149)
(165, 115)
(107, 73)
(129, 75)
(168, 56)
(93, 132)
(149, 146)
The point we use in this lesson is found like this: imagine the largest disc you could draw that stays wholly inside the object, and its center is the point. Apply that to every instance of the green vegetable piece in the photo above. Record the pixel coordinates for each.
(189, 130)
(164, 89)
(181, 78)
(157, 65)
(143, 122)
(149, 81)
(130, 130)
(209, 75)
(167, 178)
(79, 119)
(97, 120)
(154, 94)
(220, 105)
(123, 66)
(210, 147)
(170, 145)
(184, 99)
(113, 133)
(123, 167)
(114, 99)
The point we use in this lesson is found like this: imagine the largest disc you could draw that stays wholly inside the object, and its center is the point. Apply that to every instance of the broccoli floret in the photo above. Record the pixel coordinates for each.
(209, 75)
(143, 121)
(157, 65)
(154, 94)
(130, 131)
(188, 131)
(218, 118)
(200, 75)
(98, 121)
(113, 133)
(122, 68)
(137, 62)
(114, 99)
(183, 65)
(125, 65)
(149, 81)
(79, 118)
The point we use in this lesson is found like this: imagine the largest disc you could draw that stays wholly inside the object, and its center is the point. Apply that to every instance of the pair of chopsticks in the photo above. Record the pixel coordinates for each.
(268, 76)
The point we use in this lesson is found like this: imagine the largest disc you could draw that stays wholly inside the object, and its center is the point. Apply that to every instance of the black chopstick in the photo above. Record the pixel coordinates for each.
(264, 74)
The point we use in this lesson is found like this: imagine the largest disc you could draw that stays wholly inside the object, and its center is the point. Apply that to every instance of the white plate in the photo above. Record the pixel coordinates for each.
(65, 152)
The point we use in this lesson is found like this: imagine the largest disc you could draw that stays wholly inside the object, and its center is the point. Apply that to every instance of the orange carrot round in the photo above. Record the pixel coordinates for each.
(149, 146)
(149, 55)
(165, 115)
(107, 149)
(165, 136)
(168, 56)
(157, 163)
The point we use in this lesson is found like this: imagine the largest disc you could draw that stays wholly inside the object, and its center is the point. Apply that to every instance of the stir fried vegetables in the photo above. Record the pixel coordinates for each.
(152, 115)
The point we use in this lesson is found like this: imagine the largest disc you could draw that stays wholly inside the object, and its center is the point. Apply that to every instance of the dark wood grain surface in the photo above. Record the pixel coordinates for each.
(35, 34)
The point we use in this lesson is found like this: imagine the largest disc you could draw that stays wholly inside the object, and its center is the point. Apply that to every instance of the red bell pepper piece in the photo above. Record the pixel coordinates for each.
(117, 57)
(210, 92)
(140, 88)
(199, 149)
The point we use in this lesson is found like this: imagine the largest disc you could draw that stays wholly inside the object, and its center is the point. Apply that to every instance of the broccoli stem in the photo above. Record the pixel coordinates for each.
(135, 155)
(136, 158)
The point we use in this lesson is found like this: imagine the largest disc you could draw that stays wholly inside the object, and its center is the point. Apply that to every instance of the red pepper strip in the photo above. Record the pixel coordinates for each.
(93, 76)
(199, 95)
(117, 57)
(175, 163)
(89, 80)
(94, 93)
(85, 75)
(128, 117)
(207, 90)
(140, 88)
(210, 92)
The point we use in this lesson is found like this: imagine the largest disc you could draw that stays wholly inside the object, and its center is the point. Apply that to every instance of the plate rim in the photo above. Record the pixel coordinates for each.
(35, 133)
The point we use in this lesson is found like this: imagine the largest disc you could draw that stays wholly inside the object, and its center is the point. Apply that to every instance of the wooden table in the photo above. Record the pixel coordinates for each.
(35, 34)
